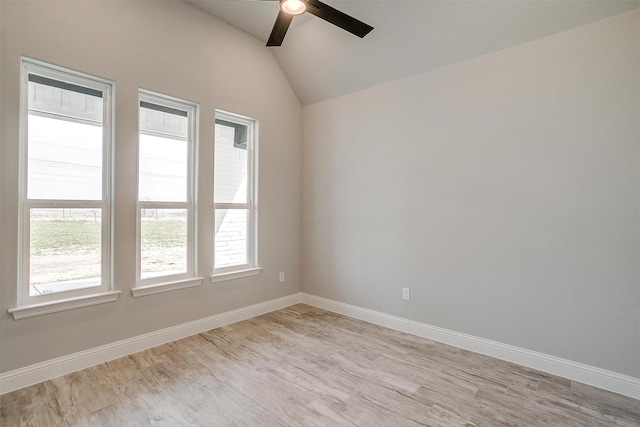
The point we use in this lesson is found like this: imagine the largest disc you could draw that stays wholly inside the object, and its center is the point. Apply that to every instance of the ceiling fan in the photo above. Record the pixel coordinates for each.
(291, 8)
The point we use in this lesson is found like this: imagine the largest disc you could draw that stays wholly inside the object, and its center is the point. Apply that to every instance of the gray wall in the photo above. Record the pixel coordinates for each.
(503, 190)
(172, 48)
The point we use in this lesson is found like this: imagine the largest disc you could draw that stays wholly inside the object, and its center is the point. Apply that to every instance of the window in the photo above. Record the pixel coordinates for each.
(235, 228)
(166, 191)
(65, 188)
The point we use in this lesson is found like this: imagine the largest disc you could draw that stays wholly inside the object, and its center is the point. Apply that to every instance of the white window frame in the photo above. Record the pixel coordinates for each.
(251, 268)
(165, 283)
(27, 305)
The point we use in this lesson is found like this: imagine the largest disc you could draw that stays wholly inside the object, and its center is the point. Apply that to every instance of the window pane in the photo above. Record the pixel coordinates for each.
(163, 242)
(231, 237)
(65, 252)
(64, 159)
(230, 181)
(163, 156)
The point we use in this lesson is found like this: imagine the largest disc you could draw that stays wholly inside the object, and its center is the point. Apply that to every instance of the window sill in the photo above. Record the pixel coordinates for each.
(143, 291)
(221, 277)
(25, 311)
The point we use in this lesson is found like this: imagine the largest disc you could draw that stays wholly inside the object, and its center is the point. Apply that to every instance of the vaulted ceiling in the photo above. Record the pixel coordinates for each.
(322, 61)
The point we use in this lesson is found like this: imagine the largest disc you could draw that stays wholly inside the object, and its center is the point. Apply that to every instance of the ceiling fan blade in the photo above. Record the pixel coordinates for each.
(337, 18)
(279, 29)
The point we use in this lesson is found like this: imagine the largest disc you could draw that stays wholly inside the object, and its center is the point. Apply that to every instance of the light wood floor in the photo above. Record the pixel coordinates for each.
(306, 366)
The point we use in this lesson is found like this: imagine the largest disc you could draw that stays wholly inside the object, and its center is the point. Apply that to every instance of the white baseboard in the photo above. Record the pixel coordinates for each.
(49, 369)
(601, 378)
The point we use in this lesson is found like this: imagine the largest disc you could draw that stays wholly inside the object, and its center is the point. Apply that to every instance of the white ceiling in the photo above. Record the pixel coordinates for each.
(322, 61)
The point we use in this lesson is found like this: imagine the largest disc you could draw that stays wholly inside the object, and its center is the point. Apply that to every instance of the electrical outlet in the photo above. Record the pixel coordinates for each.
(406, 293)
(281, 276)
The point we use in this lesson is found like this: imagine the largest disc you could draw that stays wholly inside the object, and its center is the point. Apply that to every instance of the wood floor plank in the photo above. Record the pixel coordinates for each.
(303, 366)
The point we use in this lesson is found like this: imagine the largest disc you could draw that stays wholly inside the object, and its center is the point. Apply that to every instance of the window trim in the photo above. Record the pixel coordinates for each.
(32, 310)
(165, 283)
(252, 266)
(232, 275)
(65, 300)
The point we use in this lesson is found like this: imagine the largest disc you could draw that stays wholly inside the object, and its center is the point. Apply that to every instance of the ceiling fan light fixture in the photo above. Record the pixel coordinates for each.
(293, 7)
(290, 8)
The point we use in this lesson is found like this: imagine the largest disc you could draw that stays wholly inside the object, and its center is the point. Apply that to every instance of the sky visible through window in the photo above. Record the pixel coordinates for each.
(65, 159)
(163, 169)
(65, 163)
